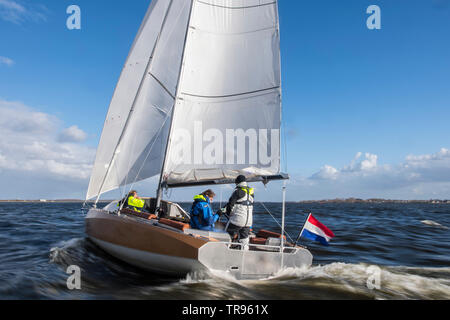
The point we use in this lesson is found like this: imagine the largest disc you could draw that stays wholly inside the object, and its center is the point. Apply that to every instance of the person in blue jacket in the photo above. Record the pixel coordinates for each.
(202, 214)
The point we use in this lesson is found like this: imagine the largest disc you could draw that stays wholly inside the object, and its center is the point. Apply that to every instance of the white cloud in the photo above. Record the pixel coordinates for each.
(357, 166)
(417, 177)
(326, 173)
(369, 163)
(17, 12)
(22, 120)
(29, 142)
(72, 134)
(428, 168)
(7, 61)
(442, 155)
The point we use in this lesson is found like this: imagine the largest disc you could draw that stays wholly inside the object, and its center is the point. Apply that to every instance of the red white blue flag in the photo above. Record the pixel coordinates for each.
(316, 231)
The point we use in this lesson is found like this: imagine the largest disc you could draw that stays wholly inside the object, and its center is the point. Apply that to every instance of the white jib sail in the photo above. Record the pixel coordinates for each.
(136, 129)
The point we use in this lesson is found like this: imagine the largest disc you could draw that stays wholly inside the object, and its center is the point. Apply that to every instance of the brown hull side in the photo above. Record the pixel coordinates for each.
(142, 236)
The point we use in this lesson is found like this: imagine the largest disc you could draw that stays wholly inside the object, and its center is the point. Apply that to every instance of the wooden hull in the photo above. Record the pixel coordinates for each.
(144, 244)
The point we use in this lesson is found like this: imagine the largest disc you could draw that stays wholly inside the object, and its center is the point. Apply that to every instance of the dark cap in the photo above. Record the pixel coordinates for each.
(240, 179)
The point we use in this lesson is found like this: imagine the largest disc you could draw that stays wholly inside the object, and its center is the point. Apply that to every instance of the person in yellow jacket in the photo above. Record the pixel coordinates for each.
(133, 202)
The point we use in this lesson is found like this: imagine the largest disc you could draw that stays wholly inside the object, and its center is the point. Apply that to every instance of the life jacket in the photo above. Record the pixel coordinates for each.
(198, 199)
(132, 203)
(242, 212)
(202, 215)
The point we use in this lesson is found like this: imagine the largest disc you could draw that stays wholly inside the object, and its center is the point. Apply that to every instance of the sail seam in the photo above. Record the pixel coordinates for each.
(231, 95)
(227, 7)
(162, 85)
(164, 112)
(235, 33)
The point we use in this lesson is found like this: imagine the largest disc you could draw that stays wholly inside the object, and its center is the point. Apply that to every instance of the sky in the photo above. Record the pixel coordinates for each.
(366, 112)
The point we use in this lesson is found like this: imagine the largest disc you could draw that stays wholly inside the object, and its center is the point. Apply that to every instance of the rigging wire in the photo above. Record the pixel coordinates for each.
(220, 200)
(267, 210)
(151, 148)
(168, 193)
(128, 171)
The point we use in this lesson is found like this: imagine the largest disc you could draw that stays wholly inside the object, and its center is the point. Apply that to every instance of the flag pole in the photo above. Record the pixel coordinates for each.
(303, 229)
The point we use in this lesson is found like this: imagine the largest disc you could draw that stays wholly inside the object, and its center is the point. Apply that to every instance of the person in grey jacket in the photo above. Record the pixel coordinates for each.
(240, 211)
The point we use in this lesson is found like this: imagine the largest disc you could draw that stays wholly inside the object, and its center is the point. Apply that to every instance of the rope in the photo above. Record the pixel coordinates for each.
(168, 193)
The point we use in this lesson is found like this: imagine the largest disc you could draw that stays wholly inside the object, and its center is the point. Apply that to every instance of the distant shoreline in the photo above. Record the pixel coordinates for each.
(48, 201)
(353, 200)
(349, 200)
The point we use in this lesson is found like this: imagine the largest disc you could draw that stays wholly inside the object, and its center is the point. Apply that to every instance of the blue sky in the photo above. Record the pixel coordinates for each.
(366, 111)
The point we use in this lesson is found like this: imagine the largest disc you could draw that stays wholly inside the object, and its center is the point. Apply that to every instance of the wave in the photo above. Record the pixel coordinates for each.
(393, 282)
(341, 281)
(331, 281)
(61, 249)
(433, 224)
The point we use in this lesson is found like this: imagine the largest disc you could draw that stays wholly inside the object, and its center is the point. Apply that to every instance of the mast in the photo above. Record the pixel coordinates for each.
(160, 184)
(149, 65)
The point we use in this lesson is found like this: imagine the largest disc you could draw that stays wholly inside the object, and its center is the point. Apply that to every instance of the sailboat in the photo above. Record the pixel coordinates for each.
(198, 103)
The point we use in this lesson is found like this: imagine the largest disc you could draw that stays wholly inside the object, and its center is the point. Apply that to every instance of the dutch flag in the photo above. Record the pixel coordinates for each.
(316, 231)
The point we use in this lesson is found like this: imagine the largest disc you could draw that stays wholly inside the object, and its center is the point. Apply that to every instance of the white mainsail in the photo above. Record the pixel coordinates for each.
(202, 83)
(230, 82)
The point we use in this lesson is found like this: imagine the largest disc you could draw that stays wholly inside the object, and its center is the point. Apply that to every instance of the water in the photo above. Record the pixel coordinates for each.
(409, 243)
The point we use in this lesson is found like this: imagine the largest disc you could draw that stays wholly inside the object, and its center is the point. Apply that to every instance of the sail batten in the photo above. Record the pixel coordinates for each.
(162, 85)
(229, 6)
(231, 95)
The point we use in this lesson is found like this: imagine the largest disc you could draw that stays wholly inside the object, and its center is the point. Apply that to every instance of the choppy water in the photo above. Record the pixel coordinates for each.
(409, 243)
